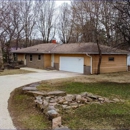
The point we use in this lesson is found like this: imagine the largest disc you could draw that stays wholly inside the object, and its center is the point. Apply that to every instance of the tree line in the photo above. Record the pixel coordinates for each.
(24, 22)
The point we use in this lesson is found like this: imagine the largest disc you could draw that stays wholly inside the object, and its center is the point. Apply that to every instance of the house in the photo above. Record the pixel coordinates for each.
(73, 57)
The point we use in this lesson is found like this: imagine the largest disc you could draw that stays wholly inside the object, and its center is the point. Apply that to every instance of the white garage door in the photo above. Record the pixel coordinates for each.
(128, 60)
(72, 64)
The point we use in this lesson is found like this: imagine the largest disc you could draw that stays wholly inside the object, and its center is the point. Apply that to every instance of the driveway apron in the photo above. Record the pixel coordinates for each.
(10, 82)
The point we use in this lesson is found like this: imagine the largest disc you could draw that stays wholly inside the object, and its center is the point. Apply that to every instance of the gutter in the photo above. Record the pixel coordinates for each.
(91, 62)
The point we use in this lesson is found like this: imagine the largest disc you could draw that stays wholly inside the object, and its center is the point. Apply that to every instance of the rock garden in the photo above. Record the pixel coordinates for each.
(51, 103)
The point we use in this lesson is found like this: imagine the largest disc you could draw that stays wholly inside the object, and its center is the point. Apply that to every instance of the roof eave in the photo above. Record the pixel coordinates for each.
(96, 53)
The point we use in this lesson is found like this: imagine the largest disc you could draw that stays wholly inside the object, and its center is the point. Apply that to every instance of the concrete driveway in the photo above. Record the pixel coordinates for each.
(10, 82)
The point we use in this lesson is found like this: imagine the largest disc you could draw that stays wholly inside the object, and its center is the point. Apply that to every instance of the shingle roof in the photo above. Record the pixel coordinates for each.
(71, 48)
(40, 48)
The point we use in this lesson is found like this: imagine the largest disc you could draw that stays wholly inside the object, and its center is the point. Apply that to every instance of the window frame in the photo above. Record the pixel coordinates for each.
(31, 57)
(39, 57)
(111, 58)
(15, 57)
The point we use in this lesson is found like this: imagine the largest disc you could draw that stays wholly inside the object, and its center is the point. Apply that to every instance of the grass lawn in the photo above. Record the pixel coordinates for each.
(91, 116)
(14, 71)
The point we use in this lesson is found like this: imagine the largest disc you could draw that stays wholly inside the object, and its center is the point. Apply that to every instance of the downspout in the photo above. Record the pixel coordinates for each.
(91, 62)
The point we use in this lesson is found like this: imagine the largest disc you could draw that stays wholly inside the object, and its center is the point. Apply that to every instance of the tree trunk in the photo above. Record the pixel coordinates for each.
(100, 58)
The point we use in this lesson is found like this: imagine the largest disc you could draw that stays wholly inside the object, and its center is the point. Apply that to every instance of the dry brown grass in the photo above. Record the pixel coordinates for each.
(14, 71)
(121, 77)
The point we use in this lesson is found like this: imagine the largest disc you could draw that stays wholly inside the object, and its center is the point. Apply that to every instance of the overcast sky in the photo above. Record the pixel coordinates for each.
(59, 2)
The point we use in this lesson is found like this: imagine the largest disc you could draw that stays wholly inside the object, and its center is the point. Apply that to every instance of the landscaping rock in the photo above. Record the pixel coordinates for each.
(62, 128)
(83, 100)
(57, 93)
(38, 101)
(69, 98)
(65, 103)
(121, 100)
(64, 106)
(116, 100)
(106, 100)
(52, 114)
(48, 98)
(56, 122)
(41, 106)
(93, 96)
(68, 107)
(45, 103)
(52, 104)
(61, 101)
(78, 98)
(50, 108)
(89, 99)
(74, 105)
(52, 101)
(84, 94)
(101, 99)
(37, 93)
(29, 89)
(38, 98)
(89, 94)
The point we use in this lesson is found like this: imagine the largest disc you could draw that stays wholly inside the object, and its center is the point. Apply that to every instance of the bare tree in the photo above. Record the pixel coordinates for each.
(65, 25)
(17, 23)
(46, 19)
(28, 20)
(7, 27)
(123, 20)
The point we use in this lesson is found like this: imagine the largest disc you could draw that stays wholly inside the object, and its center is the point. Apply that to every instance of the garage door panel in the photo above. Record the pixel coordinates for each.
(72, 64)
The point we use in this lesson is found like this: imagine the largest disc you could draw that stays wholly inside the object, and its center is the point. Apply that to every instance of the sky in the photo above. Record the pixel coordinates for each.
(59, 2)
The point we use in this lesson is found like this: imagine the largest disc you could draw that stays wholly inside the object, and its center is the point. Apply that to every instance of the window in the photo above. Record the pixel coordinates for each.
(111, 59)
(15, 57)
(30, 57)
(39, 57)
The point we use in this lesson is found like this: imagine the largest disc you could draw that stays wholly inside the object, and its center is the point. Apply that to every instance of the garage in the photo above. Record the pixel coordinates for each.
(72, 64)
